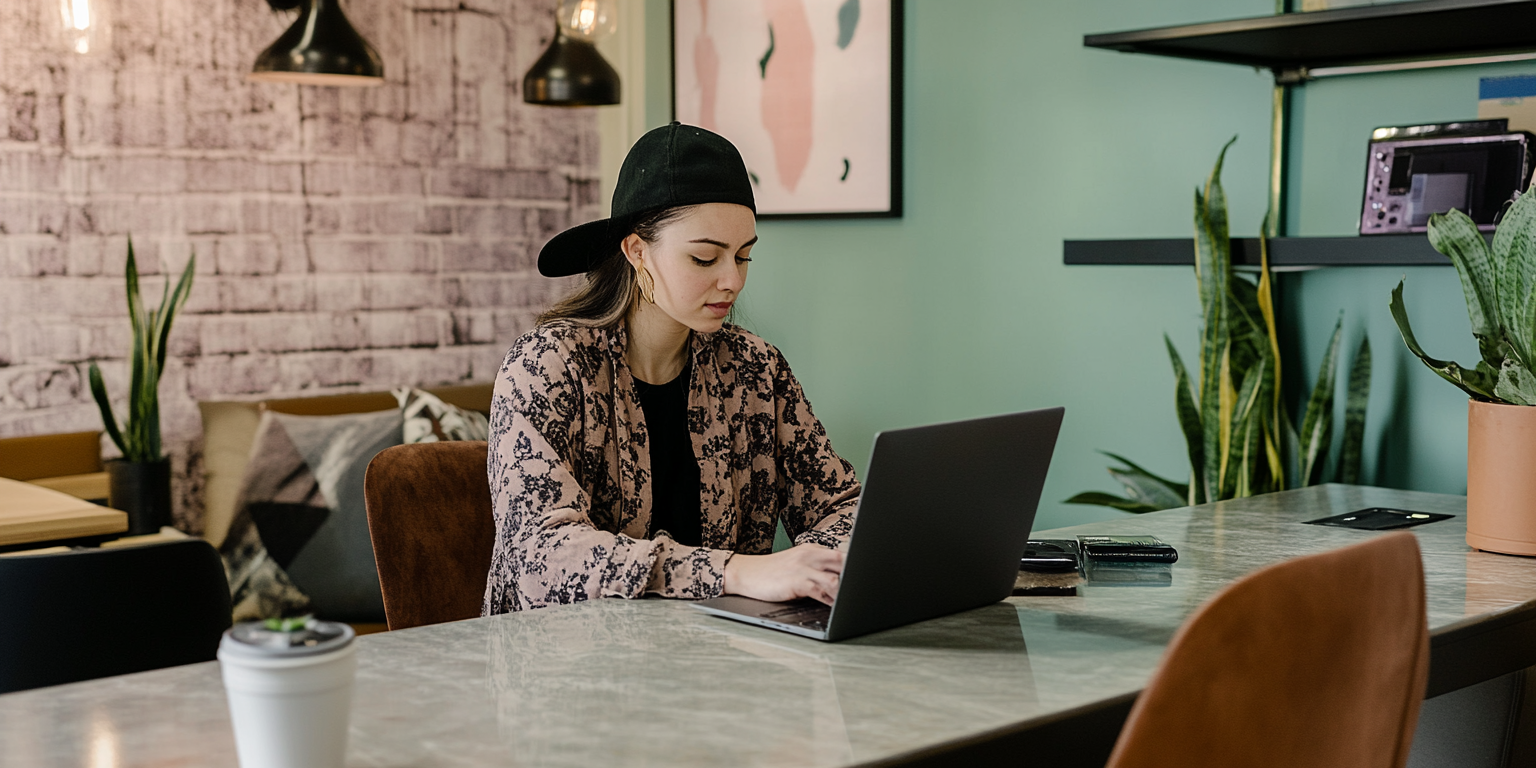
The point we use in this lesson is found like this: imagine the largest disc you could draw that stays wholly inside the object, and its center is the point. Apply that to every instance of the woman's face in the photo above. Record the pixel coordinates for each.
(698, 263)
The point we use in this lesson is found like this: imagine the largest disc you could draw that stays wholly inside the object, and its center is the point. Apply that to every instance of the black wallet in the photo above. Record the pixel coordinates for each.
(1139, 549)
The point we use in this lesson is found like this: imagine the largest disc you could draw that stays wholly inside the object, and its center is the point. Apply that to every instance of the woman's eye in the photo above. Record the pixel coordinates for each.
(702, 262)
(743, 259)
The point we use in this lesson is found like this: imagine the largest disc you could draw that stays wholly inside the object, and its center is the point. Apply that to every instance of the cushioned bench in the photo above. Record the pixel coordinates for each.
(229, 428)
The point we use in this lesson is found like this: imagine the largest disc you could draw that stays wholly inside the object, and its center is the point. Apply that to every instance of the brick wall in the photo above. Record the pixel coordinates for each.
(346, 239)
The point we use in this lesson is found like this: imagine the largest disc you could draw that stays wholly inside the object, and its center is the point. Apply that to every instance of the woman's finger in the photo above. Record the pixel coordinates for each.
(826, 582)
(809, 588)
(824, 559)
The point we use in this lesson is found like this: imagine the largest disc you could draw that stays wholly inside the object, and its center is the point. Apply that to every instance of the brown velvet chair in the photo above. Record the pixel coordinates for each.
(429, 515)
(1319, 661)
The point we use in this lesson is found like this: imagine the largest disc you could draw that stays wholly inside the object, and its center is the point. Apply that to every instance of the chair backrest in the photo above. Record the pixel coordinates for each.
(39, 456)
(429, 513)
(1318, 661)
(91, 613)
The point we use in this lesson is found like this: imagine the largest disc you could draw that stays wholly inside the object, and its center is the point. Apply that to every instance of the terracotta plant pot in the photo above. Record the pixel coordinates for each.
(1501, 477)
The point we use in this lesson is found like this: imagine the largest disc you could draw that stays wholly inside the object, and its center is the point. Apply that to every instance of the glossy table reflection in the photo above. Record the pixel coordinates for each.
(654, 682)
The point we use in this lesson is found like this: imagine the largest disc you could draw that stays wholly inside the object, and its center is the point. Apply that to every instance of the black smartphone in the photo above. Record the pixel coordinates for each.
(1049, 556)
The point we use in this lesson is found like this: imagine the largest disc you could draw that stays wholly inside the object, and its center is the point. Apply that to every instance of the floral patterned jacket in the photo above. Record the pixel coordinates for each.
(570, 470)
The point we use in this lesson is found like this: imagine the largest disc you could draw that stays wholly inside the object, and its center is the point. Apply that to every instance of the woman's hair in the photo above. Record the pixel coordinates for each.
(611, 286)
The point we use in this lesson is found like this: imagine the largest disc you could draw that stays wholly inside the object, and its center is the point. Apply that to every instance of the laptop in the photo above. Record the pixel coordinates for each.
(944, 515)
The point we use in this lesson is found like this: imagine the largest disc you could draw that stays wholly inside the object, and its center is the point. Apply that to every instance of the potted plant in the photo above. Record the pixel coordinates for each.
(1239, 436)
(1500, 288)
(140, 482)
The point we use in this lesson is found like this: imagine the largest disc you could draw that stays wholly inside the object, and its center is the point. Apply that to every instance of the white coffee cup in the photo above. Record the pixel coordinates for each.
(290, 693)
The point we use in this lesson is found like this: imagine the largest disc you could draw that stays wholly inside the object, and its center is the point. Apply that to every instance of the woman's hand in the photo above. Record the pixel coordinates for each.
(806, 570)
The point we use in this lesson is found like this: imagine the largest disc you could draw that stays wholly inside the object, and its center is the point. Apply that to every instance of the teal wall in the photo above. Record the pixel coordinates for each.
(1417, 430)
(1018, 138)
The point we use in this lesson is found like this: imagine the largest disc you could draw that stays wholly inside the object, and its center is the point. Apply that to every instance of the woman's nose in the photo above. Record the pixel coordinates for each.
(731, 279)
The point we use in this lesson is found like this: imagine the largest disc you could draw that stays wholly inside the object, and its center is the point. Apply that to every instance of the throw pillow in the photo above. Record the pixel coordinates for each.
(299, 539)
(428, 419)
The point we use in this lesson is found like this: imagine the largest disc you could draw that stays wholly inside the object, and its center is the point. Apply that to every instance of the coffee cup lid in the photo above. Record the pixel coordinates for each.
(255, 638)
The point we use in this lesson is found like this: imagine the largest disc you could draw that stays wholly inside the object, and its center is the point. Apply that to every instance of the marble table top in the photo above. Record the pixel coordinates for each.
(654, 682)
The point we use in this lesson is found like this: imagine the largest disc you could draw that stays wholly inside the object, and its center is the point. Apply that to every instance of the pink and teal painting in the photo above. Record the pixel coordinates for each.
(803, 88)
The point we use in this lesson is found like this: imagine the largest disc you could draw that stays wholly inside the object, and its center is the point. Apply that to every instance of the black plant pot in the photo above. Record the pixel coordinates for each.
(143, 490)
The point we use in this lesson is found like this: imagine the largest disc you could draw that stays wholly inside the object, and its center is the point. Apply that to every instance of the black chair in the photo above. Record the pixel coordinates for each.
(91, 613)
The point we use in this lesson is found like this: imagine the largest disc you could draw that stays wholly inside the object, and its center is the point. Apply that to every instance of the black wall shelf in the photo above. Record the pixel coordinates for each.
(1297, 47)
(1284, 252)
(1427, 29)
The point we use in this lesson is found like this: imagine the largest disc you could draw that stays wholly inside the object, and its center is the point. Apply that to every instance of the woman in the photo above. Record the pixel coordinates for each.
(639, 443)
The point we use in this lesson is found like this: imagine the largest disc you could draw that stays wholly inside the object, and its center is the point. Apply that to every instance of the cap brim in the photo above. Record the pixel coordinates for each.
(577, 249)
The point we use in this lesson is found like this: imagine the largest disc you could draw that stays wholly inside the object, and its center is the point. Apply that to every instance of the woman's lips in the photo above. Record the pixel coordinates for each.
(719, 310)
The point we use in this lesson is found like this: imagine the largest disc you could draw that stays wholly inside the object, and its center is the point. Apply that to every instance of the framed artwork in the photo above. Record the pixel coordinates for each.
(808, 90)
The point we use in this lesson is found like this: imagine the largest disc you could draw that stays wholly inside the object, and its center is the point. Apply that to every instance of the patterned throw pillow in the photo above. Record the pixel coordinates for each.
(428, 419)
(299, 538)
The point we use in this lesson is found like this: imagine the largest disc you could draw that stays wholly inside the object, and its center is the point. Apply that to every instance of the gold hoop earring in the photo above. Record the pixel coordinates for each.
(646, 284)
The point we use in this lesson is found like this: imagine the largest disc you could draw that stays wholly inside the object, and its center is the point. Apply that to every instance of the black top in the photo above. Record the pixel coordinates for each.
(674, 471)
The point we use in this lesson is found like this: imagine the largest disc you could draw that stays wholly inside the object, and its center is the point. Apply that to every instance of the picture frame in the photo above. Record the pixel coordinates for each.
(810, 91)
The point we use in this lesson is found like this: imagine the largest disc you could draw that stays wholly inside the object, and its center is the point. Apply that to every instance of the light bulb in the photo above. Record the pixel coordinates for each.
(86, 28)
(588, 19)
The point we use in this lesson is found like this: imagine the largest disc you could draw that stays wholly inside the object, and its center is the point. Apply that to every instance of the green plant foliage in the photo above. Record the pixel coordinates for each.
(1499, 285)
(1237, 431)
(289, 624)
(139, 438)
(1317, 424)
(1354, 415)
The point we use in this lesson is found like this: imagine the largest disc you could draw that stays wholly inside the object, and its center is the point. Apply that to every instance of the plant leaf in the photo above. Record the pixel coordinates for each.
(1454, 234)
(1179, 489)
(141, 379)
(1216, 217)
(1109, 500)
(169, 309)
(136, 320)
(1477, 382)
(1359, 395)
(1266, 300)
(1246, 427)
(1290, 449)
(1317, 424)
(1213, 270)
(1514, 259)
(1249, 341)
(1147, 488)
(1226, 399)
(1516, 384)
(1248, 457)
(1275, 461)
(108, 421)
(1189, 422)
(159, 331)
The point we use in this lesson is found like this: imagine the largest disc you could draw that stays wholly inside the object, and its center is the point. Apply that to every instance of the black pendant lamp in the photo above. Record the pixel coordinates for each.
(571, 73)
(321, 48)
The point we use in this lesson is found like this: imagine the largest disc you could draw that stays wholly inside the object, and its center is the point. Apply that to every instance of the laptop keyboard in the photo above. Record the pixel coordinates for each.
(808, 616)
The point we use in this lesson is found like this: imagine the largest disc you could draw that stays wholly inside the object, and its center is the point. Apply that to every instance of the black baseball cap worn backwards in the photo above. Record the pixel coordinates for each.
(671, 166)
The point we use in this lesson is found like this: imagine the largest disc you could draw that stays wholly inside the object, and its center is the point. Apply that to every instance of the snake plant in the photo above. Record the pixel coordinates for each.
(139, 437)
(1238, 433)
(1500, 288)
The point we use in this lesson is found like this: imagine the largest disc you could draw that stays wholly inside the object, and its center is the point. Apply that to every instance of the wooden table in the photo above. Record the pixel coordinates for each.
(31, 513)
(654, 682)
